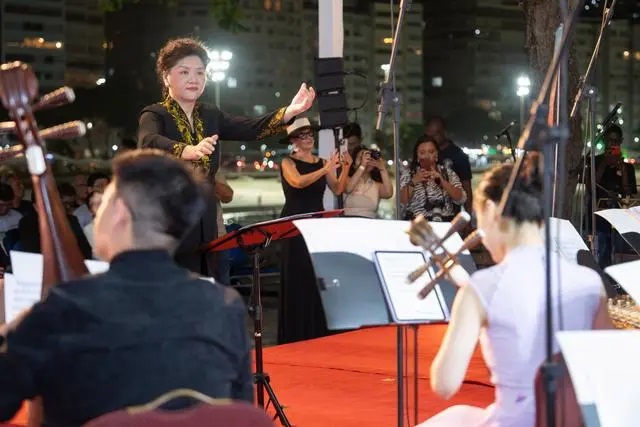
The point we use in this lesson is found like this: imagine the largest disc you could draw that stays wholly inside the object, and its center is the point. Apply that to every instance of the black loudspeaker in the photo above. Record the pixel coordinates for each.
(329, 86)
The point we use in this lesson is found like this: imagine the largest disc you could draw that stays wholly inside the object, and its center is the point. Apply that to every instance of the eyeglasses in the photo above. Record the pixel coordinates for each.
(304, 135)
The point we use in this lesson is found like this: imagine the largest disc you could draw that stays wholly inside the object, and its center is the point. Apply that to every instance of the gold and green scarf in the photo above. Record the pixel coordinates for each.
(184, 127)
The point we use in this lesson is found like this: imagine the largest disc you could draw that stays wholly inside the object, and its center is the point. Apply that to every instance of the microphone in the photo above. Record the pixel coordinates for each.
(421, 234)
(505, 130)
(449, 267)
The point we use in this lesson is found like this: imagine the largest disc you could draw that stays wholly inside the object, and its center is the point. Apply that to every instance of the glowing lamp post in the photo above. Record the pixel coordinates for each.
(523, 88)
(219, 62)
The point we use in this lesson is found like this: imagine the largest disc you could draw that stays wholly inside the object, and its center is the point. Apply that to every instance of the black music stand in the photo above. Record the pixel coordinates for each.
(254, 239)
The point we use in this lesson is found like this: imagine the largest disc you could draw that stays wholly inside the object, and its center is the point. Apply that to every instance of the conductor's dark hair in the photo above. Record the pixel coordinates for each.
(175, 50)
(525, 202)
(162, 193)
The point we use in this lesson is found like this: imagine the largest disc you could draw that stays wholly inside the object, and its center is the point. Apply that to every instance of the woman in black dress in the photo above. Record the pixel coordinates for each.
(190, 130)
(304, 179)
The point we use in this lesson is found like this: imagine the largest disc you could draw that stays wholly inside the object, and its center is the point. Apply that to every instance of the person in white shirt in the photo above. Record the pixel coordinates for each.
(368, 183)
(94, 199)
(9, 217)
(96, 182)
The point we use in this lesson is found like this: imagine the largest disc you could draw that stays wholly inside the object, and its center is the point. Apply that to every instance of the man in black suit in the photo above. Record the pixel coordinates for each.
(145, 327)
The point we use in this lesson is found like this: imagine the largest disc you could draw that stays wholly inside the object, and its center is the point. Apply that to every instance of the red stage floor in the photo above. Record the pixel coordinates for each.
(350, 379)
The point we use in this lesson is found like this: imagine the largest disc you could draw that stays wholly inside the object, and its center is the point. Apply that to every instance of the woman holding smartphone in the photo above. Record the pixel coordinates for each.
(429, 188)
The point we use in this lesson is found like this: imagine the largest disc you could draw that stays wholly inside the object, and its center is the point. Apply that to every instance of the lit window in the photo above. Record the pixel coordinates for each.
(626, 54)
(388, 40)
(436, 81)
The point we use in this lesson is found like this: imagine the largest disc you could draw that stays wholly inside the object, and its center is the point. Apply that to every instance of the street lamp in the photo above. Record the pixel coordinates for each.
(524, 87)
(219, 62)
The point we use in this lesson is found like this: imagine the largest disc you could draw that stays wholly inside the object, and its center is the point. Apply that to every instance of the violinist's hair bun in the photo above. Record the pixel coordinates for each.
(525, 202)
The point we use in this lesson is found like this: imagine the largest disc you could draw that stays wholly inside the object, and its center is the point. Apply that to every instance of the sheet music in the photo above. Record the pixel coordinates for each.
(328, 234)
(626, 274)
(23, 288)
(565, 239)
(393, 268)
(624, 220)
(604, 371)
(18, 296)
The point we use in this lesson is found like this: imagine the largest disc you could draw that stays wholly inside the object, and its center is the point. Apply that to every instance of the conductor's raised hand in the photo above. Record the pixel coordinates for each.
(300, 103)
(205, 147)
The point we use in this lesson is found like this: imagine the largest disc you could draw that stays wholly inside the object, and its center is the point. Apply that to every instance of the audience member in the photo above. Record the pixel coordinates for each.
(224, 194)
(29, 229)
(9, 177)
(96, 182)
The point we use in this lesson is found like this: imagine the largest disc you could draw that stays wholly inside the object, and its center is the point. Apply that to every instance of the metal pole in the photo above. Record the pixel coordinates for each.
(218, 94)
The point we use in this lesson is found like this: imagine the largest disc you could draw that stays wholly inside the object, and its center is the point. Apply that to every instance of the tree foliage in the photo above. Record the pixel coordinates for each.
(227, 13)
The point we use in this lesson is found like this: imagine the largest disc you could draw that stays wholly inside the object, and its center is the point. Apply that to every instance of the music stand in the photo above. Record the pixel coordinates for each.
(353, 290)
(254, 239)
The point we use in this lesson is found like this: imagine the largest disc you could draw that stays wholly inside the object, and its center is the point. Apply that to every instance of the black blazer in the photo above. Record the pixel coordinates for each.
(158, 129)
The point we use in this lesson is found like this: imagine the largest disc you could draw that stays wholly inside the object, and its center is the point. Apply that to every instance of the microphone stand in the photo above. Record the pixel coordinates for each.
(591, 105)
(539, 135)
(513, 152)
(390, 98)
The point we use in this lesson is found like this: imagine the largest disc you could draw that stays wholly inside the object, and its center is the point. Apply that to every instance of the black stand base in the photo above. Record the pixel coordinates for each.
(550, 374)
(262, 381)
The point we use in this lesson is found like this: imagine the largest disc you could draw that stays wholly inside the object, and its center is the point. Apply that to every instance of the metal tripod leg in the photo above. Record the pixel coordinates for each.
(261, 378)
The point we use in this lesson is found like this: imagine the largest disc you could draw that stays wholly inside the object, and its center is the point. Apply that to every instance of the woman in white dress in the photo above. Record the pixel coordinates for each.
(504, 306)
(368, 183)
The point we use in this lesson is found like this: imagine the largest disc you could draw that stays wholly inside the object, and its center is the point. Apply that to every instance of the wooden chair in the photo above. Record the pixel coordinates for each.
(568, 413)
(205, 413)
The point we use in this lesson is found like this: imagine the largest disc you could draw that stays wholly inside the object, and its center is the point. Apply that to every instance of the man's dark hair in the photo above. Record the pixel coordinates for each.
(352, 129)
(6, 193)
(613, 129)
(162, 193)
(91, 181)
(6, 174)
(66, 190)
(436, 119)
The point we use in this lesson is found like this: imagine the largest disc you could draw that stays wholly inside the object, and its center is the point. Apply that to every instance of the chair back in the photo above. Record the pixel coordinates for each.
(568, 412)
(207, 412)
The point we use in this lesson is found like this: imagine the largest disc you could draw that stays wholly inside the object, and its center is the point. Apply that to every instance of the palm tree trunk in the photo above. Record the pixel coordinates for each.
(542, 18)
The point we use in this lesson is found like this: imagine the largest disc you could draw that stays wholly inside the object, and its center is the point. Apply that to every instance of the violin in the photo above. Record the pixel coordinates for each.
(63, 260)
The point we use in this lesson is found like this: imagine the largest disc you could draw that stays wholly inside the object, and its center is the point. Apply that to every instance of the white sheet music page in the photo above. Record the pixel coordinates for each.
(393, 268)
(604, 371)
(565, 239)
(23, 288)
(626, 275)
(624, 220)
(329, 234)
(18, 296)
